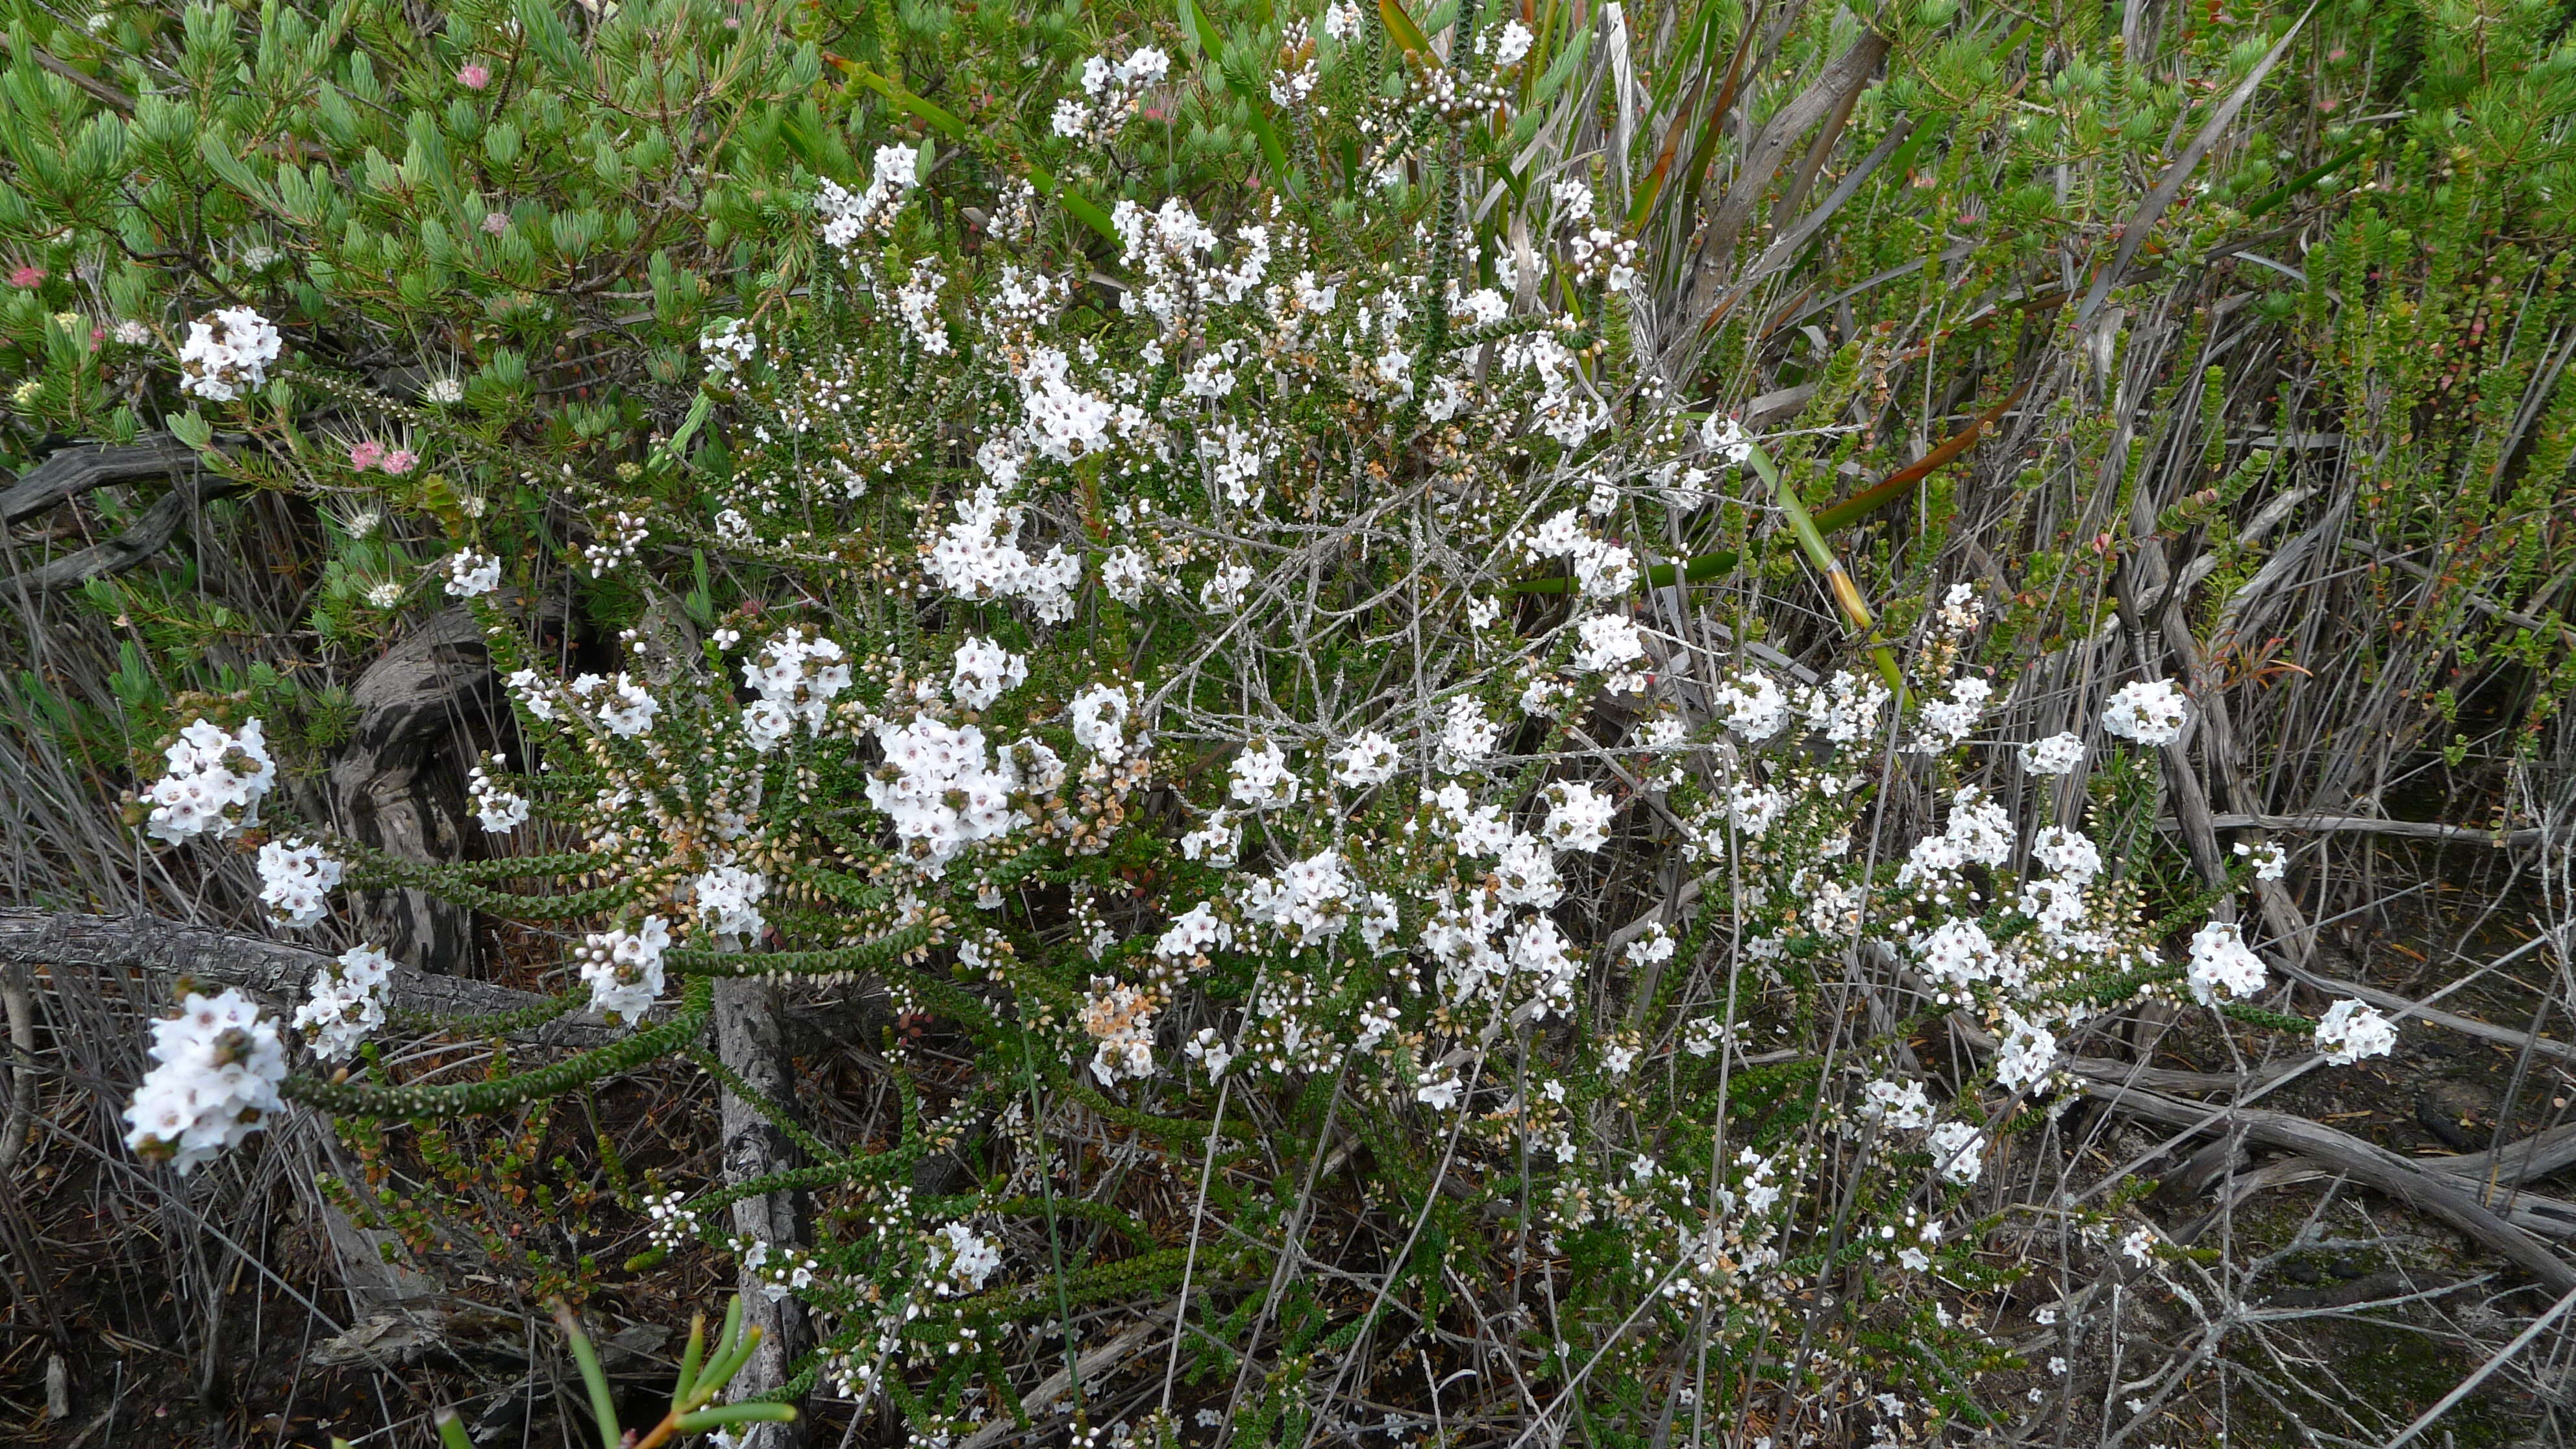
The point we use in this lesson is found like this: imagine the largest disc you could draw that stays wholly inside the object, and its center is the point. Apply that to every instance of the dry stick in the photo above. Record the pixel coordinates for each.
(1190, 1263)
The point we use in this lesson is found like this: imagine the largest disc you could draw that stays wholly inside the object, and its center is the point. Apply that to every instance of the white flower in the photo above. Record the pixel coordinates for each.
(1468, 737)
(1513, 44)
(1751, 705)
(214, 784)
(2067, 853)
(627, 710)
(443, 391)
(1099, 716)
(471, 575)
(848, 219)
(1956, 954)
(500, 810)
(1210, 1051)
(227, 354)
(1342, 19)
(2029, 1050)
(2271, 862)
(728, 344)
(1578, 817)
(216, 1066)
(1846, 707)
(728, 903)
(295, 881)
(2139, 1247)
(1121, 1020)
(346, 1002)
(963, 1258)
(985, 671)
(1262, 779)
(2059, 754)
(797, 676)
(1370, 759)
(2222, 965)
(1438, 1089)
(1607, 642)
(2150, 713)
(2351, 1030)
(1957, 1151)
(1949, 719)
(624, 968)
(1898, 1106)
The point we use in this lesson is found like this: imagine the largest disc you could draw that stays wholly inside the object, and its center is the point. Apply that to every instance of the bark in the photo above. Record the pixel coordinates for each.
(750, 1043)
(275, 970)
(387, 791)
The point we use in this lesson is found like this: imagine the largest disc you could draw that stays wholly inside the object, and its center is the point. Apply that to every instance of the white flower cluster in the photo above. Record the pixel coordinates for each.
(500, 810)
(1601, 570)
(727, 900)
(1100, 715)
(471, 575)
(214, 783)
(295, 882)
(2270, 861)
(227, 354)
(1597, 253)
(1948, 719)
(2151, 713)
(850, 220)
(2222, 965)
(797, 676)
(346, 1002)
(2351, 1030)
(1260, 777)
(917, 302)
(1979, 833)
(943, 790)
(1370, 759)
(622, 706)
(984, 672)
(1173, 253)
(1845, 708)
(977, 557)
(1111, 92)
(1120, 1019)
(624, 968)
(963, 1259)
(216, 1066)
(1752, 705)
(2059, 754)
(728, 344)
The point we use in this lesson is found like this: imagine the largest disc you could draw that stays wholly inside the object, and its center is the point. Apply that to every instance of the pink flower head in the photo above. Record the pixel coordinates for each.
(400, 461)
(26, 276)
(366, 455)
(495, 222)
(473, 77)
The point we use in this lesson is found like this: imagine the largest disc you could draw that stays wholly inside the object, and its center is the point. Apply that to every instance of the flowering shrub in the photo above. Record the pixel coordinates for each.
(1267, 679)
(1171, 671)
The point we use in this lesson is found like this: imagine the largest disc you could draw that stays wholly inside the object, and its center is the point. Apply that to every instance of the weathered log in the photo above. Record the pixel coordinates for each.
(72, 471)
(158, 525)
(2438, 1194)
(411, 704)
(275, 970)
(749, 1043)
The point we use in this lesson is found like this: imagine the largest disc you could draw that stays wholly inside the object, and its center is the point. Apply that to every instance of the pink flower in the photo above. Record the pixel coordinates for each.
(400, 461)
(473, 77)
(366, 455)
(26, 276)
(495, 222)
